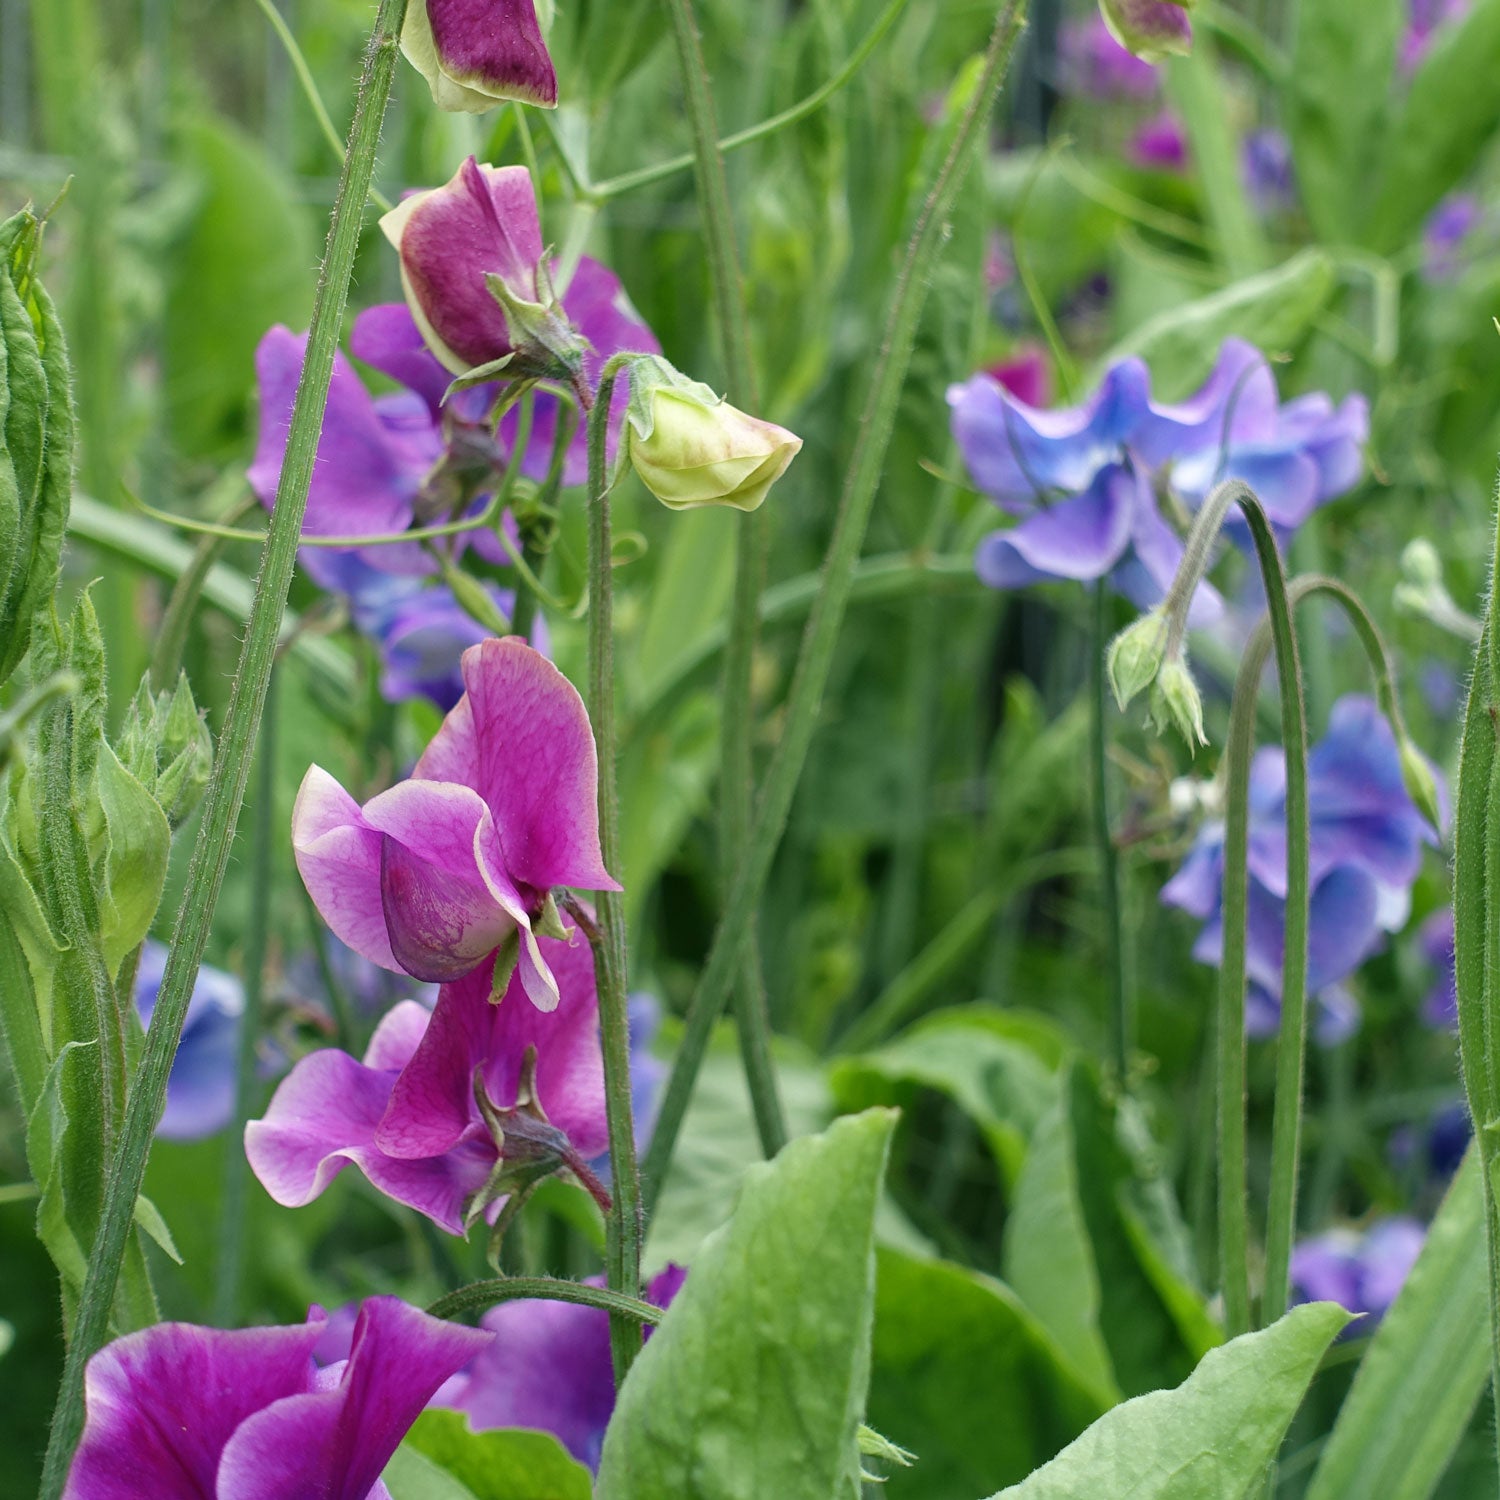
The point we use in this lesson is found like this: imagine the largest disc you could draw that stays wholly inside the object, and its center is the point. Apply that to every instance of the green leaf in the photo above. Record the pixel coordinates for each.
(1048, 1259)
(1451, 111)
(967, 1379)
(754, 1383)
(1425, 1368)
(1272, 309)
(443, 1458)
(29, 957)
(149, 1217)
(1212, 1436)
(139, 843)
(1337, 104)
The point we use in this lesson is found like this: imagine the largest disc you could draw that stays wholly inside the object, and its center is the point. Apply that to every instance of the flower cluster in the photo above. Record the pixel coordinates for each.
(1365, 850)
(1082, 484)
(246, 1414)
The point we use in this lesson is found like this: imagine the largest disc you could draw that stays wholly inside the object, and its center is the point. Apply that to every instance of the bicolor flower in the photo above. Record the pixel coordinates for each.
(245, 1414)
(434, 875)
(200, 1087)
(410, 1115)
(1365, 851)
(549, 1368)
(1363, 1272)
(1152, 29)
(475, 54)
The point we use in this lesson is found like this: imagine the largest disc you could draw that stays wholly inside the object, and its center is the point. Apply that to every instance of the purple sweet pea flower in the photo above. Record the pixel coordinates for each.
(1096, 66)
(1425, 18)
(1366, 838)
(1152, 29)
(200, 1088)
(1361, 1272)
(1160, 145)
(244, 1414)
(1435, 938)
(407, 1115)
(433, 875)
(476, 53)
(1266, 160)
(549, 1369)
(1444, 233)
(1437, 1147)
(1027, 375)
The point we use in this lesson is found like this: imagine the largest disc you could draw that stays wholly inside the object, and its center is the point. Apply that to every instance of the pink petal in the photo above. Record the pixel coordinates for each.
(324, 1116)
(161, 1404)
(338, 855)
(398, 1036)
(333, 1444)
(453, 752)
(494, 46)
(538, 769)
(442, 914)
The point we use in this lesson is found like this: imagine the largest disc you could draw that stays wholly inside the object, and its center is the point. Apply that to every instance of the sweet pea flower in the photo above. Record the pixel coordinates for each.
(1443, 236)
(1365, 850)
(548, 1368)
(435, 874)
(408, 1115)
(1151, 29)
(1096, 66)
(200, 1087)
(1425, 18)
(475, 54)
(1160, 145)
(1026, 374)
(1435, 938)
(691, 448)
(1266, 162)
(245, 1414)
(1361, 1272)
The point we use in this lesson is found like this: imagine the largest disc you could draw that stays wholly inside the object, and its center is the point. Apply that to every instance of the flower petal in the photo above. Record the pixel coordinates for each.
(475, 53)
(333, 1443)
(538, 770)
(161, 1405)
(1080, 537)
(338, 856)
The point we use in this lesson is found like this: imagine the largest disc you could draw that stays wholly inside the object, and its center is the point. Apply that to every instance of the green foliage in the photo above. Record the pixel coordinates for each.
(1214, 1435)
(1425, 1369)
(754, 1383)
(443, 1458)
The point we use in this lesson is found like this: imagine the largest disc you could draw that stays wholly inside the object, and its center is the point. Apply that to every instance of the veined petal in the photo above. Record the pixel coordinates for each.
(1081, 537)
(161, 1405)
(333, 1443)
(338, 856)
(476, 53)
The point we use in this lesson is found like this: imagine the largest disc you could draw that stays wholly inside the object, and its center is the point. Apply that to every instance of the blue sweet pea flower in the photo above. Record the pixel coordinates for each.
(1366, 841)
(200, 1088)
(1361, 1272)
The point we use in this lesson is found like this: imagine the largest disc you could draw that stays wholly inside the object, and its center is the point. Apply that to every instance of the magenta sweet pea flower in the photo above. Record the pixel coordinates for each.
(1096, 66)
(245, 1414)
(1152, 29)
(408, 1115)
(549, 1368)
(433, 875)
(1160, 145)
(476, 53)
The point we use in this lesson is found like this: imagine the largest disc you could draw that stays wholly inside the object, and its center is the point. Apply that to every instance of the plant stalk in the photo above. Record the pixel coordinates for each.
(1121, 1028)
(232, 767)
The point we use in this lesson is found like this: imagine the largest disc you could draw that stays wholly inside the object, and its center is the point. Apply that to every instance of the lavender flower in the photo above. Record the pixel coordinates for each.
(433, 875)
(1448, 226)
(548, 1367)
(244, 1414)
(1266, 160)
(410, 1117)
(1365, 852)
(200, 1088)
(1096, 66)
(1361, 1272)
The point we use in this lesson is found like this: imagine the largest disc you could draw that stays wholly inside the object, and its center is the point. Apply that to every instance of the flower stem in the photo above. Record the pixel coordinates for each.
(1121, 1028)
(816, 656)
(227, 787)
(480, 1296)
(736, 764)
(624, 1227)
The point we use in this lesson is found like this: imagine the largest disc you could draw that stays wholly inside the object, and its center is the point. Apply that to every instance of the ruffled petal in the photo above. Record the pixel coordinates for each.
(1082, 537)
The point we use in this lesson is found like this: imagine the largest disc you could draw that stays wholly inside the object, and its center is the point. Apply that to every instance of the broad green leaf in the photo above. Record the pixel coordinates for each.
(988, 1065)
(135, 862)
(1272, 309)
(754, 1383)
(29, 958)
(1048, 1259)
(1425, 1368)
(62, 1151)
(1213, 1435)
(967, 1379)
(1447, 121)
(444, 1459)
(718, 1144)
(1337, 103)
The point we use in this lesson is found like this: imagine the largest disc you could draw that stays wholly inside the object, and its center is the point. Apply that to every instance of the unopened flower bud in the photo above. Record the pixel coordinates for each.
(476, 53)
(165, 744)
(1152, 29)
(1421, 784)
(692, 448)
(1175, 702)
(1421, 565)
(1135, 656)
